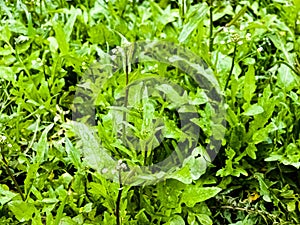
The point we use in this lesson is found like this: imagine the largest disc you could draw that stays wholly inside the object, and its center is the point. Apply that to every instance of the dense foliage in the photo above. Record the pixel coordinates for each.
(252, 48)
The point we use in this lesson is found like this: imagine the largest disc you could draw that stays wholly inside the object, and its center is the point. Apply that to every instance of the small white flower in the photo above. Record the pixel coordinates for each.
(84, 65)
(240, 42)
(104, 170)
(9, 145)
(123, 166)
(3, 138)
(248, 36)
(260, 49)
(222, 42)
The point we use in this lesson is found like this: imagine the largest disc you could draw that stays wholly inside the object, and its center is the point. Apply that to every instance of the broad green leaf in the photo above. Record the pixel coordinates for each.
(176, 220)
(264, 189)
(37, 219)
(53, 45)
(95, 155)
(297, 4)
(286, 78)
(97, 190)
(288, 155)
(22, 211)
(5, 34)
(183, 175)
(193, 194)
(42, 147)
(231, 117)
(6, 195)
(249, 84)
(69, 26)
(280, 43)
(73, 153)
(250, 150)
(261, 134)
(237, 136)
(196, 16)
(172, 95)
(61, 38)
(197, 166)
(291, 206)
(204, 219)
(66, 220)
(31, 176)
(7, 73)
(253, 110)
(87, 208)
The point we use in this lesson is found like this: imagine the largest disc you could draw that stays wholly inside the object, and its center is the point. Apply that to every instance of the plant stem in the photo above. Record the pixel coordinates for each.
(12, 176)
(118, 202)
(288, 65)
(126, 96)
(232, 66)
(211, 39)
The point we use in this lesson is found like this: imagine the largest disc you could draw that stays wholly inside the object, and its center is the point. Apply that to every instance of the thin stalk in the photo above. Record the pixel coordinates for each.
(12, 176)
(232, 66)
(211, 39)
(118, 202)
(41, 12)
(288, 65)
(126, 97)
(128, 54)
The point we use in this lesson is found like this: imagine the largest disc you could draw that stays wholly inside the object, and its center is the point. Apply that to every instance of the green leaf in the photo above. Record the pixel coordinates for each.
(291, 206)
(95, 155)
(7, 73)
(6, 195)
(42, 147)
(176, 220)
(260, 135)
(286, 78)
(204, 219)
(237, 16)
(87, 208)
(264, 189)
(250, 150)
(31, 176)
(197, 166)
(196, 16)
(22, 211)
(172, 95)
(73, 153)
(237, 136)
(183, 175)
(193, 194)
(61, 38)
(281, 45)
(5, 34)
(68, 28)
(249, 84)
(253, 110)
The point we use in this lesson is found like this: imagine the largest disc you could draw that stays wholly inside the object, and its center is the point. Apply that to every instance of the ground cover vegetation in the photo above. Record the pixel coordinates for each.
(253, 49)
